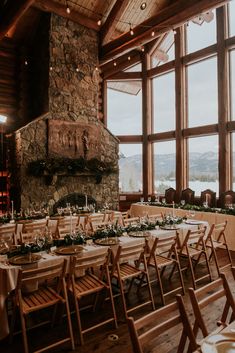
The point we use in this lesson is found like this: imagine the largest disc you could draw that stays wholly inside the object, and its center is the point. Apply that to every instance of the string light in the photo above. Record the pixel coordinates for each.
(77, 69)
(153, 33)
(96, 68)
(26, 62)
(143, 6)
(174, 31)
(129, 58)
(131, 30)
(142, 49)
(67, 8)
(114, 64)
(51, 68)
(99, 22)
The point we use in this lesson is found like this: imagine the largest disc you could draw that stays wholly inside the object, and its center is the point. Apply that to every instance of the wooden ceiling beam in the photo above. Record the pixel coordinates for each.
(171, 17)
(11, 14)
(115, 14)
(60, 10)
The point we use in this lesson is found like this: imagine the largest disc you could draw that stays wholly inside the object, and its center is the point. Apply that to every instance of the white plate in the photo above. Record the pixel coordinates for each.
(220, 343)
(192, 222)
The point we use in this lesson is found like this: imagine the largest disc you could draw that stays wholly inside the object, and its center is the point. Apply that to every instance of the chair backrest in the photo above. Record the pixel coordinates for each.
(41, 274)
(82, 222)
(196, 237)
(207, 295)
(166, 244)
(170, 195)
(67, 221)
(148, 329)
(94, 259)
(7, 233)
(96, 218)
(115, 217)
(131, 221)
(155, 217)
(208, 196)
(29, 237)
(188, 196)
(217, 232)
(52, 226)
(226, 198)
(34, 225)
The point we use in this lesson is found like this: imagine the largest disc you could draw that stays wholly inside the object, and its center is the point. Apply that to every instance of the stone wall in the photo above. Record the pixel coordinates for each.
(73, 93)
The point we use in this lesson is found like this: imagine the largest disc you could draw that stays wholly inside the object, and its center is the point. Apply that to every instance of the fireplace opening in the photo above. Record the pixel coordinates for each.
(74, 199)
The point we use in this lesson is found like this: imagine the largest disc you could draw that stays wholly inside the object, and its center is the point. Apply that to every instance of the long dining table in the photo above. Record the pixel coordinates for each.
(9, 272)
(142, 209)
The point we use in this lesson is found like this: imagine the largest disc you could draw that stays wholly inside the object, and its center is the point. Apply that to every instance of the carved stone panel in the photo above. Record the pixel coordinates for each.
(73, 140)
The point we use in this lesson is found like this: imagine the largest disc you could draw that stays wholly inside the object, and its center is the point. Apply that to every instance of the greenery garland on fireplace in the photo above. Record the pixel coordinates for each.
(68, 166)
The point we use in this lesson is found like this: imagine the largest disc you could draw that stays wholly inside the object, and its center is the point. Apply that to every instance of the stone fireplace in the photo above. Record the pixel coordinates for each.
(73, 85)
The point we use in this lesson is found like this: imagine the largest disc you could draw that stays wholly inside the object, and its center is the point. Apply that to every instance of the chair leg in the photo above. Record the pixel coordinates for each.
(24, 334)
(192, 272)
(123, 298)
(148, 284)
(208, 265)
(112, 301)
(160, 285)
(181, 277)
(69, 318)
(79, 320)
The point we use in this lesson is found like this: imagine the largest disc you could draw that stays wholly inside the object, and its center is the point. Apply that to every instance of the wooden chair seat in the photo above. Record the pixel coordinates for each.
(127, 271)
(40, 299)
(191, 251)
(88, 284)
(161, 261)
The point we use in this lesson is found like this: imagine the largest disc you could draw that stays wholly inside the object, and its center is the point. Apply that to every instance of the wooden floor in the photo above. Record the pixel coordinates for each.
(100, 341)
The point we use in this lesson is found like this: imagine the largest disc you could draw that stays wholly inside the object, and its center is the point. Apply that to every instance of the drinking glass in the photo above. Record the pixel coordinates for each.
(40, 240)
(141, 199)
(163, 200)
(182, 202)
(192, 213)
(73, 236)
(149, 198)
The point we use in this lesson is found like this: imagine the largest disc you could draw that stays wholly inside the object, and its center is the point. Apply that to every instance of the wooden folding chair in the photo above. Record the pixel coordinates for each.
(216, 240)
(8, 233)
(42, 297)
(192, 249)
(206, 296)
(146, 332)
(162, 255)
(89, 283)
(67, 221)
(127, 266)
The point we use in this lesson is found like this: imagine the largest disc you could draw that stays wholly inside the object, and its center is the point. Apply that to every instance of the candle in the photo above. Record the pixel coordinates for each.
(207, 199)
(86, 201)
(173, 204)
(71, 222)
(12, 209)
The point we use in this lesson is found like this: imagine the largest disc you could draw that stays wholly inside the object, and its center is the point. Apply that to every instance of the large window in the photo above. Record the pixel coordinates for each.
(124, 109)
(201, 34)
(203, 163)
(164, 102)
(232, 18)
(164, 166)
(202, 93)
(130, 167)
(232, 84)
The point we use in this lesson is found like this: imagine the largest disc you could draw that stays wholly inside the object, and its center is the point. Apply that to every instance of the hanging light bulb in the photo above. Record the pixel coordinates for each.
(26, 62)
(99, 22)
(153, 33)
(96, 68)
(77, 69)
(174, 31)
(143, 6)
(51, 68)
(142, 49)
(129, 58)
(114, 64)
(131, 30)
(67, 8)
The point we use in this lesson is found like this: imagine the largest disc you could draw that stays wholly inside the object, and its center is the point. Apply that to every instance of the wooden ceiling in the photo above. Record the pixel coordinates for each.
(117, 16)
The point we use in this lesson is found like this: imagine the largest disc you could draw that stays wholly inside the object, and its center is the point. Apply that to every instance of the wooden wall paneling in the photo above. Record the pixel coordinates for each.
(60, 10)
(146, 123)
(224, 137)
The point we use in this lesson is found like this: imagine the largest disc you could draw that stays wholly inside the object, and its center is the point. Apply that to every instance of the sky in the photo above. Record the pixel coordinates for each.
(125, 110)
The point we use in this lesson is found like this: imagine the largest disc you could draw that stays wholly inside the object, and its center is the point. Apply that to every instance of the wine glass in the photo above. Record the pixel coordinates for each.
(40, 240)
(163, 201)
(192, 213)
(149, 199)
(73, 236)
(182, 202)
